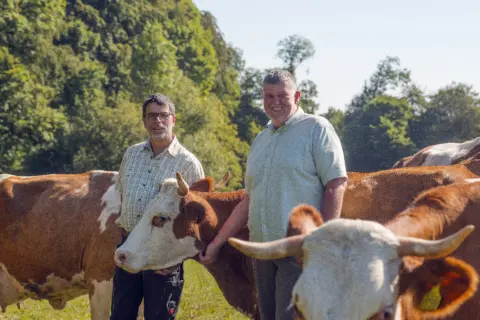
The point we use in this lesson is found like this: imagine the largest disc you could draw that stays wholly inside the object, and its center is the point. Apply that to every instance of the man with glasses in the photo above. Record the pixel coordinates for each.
(297, 159)
(144, 167)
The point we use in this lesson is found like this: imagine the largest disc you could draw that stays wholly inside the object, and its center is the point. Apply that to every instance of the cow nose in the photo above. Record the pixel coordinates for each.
(121, 258)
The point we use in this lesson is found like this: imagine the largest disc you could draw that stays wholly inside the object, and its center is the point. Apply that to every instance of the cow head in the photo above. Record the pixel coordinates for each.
(355, 269)
(168, 232)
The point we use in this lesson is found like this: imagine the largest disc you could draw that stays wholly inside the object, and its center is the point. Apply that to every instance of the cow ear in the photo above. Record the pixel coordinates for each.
(303, 220)
(437, 288)
(203, 185)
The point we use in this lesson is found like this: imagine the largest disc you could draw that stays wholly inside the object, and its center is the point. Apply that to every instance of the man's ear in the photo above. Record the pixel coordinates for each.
(202, 185)
(437, 288)
(303, 220)
(297, 96)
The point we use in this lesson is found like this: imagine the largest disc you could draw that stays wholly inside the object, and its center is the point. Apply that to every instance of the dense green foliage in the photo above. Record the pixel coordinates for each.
(73, 75)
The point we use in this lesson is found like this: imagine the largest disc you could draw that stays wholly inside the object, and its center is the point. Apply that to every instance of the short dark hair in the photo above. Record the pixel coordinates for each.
(277, 76)
(159, 99)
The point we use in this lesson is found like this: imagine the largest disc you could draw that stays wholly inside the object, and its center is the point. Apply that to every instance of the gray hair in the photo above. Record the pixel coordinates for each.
(277, 76)
(159, 99)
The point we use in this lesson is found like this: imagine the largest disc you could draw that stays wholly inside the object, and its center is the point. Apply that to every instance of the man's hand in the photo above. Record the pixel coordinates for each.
(166, 271)
(211, 254)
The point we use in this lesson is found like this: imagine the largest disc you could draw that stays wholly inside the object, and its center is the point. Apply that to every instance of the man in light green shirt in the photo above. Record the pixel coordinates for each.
(297, 159)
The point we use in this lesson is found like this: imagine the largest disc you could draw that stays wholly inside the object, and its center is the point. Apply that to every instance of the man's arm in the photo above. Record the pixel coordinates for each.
(237, 220)
(333, 198)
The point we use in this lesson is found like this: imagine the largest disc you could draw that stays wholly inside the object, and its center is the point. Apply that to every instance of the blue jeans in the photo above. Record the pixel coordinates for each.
(161, 294)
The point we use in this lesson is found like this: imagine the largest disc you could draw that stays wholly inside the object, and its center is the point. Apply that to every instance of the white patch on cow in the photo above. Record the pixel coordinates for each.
(96, 173)
(446, 153)
(11, 291)
(45, 175)
(81, 188)
(101, 299)
(150, 247)
(4, 176)
(113, 202)
(472, 180)
(350, 271)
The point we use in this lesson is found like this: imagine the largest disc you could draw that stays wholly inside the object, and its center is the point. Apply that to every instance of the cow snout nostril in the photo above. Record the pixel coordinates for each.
(121, 257)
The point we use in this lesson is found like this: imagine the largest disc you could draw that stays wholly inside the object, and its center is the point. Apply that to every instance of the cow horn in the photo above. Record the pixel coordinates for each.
(182, 185)
(433, 249)
(277, 249)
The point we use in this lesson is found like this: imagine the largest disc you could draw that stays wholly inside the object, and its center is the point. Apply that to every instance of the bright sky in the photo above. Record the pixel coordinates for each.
(439, 41)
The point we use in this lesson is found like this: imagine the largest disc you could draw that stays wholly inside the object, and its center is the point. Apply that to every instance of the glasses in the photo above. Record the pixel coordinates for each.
(162, 115)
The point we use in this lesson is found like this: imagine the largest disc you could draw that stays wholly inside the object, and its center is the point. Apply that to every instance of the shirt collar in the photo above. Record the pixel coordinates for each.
(297, 115)
(173, 149)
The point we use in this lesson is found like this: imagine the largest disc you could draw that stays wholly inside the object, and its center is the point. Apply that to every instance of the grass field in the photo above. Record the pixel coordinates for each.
(201, 299)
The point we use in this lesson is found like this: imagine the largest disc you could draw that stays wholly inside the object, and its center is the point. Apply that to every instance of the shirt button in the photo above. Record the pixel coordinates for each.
(138, 216)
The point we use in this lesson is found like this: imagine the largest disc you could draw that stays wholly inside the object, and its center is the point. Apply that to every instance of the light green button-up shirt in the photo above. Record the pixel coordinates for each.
(141, 174)
(287, 167)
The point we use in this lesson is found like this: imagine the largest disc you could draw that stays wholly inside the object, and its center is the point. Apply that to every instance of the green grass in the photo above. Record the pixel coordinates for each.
(201, 299)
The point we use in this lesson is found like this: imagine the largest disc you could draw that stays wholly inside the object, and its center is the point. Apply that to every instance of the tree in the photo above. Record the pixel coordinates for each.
(337, 119)
(451, 115)
(250, 117)
(388, 76)
(294, 50)
(379, 135)
(309, 91)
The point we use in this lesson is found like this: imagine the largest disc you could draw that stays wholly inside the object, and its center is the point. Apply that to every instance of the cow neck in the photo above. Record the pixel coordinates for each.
(222, 204)
(433, 211)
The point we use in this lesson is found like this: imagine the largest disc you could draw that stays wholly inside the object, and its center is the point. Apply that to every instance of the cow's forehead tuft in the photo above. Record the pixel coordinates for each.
(352, 230)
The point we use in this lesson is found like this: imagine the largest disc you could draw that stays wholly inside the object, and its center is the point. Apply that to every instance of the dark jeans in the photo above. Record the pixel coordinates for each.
(275, 280)
(161, 294)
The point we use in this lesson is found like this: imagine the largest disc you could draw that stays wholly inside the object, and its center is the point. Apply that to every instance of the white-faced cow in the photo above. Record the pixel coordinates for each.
(443, 154)
(177, 225)
(364, 270)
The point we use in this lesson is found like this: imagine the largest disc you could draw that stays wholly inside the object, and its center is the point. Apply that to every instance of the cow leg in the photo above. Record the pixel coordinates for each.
(100, 295)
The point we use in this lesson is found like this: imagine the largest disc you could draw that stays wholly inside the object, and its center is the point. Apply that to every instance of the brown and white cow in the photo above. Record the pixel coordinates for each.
(364, 270)
(443, 154)
(381, 195)
(58, 238)
(180, 222)
(177, 225)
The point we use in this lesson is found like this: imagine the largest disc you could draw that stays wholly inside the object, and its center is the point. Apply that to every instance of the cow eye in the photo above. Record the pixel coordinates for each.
(159, 221)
